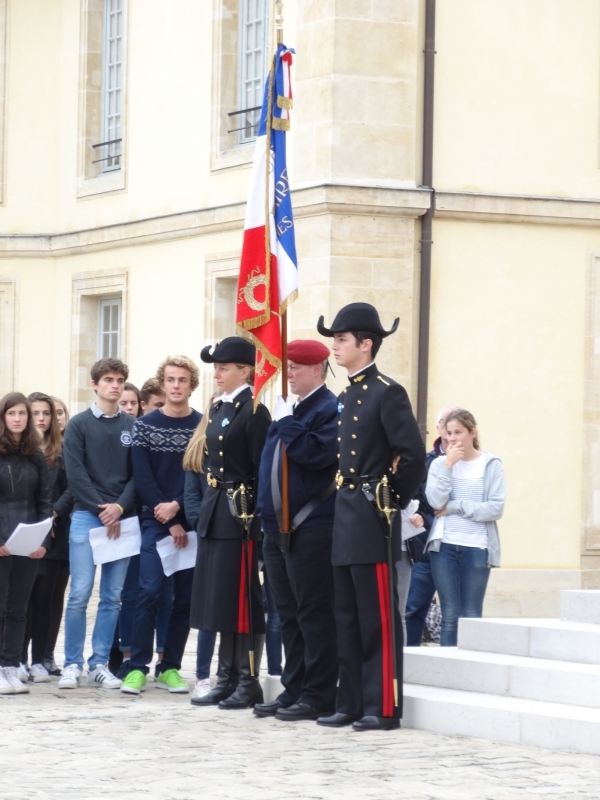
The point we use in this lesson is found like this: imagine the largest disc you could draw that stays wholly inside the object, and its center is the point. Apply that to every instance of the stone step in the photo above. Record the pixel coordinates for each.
(500, 674)
(580, 606)
(502, 719)
(538, 638)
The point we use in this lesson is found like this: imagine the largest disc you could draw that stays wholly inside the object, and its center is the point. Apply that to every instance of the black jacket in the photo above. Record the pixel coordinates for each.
(375, 424)
(235, 437)
(62, 503)
(310, 437)
(24, 492)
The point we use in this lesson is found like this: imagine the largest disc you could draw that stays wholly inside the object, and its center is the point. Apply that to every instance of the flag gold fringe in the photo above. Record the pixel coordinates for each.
(285, 102)
(288, 302)
(280, 124)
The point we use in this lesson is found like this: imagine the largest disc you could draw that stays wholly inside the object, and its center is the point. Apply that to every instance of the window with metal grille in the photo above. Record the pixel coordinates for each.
(252, 61)
(112, 105)
(109, 327)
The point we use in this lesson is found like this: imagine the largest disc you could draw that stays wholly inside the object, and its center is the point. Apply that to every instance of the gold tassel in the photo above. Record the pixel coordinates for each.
(284, 102)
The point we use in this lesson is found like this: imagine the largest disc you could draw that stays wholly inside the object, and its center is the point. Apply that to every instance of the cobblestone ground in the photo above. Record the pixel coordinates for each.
(96, 743)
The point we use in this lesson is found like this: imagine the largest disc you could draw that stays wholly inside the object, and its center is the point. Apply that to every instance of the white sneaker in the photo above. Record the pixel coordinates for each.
(101, 676)
(70, 677)
(202, 688)
(23, 672)
(5, 687)
(39, 674)
(12, 676)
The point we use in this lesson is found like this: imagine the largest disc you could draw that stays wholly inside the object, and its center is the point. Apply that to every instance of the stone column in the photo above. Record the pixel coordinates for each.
(354, 141)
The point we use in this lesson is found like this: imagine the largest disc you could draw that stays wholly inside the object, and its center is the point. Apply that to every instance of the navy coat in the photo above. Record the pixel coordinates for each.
(310, 438)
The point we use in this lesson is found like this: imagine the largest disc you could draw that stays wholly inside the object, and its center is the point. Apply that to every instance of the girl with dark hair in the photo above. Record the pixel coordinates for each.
(466, 488)
(131, 401)
(39, 615)
(24, 498)
(62, 579)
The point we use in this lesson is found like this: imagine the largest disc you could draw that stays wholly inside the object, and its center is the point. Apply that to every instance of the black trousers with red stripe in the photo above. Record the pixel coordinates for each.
(363, 608)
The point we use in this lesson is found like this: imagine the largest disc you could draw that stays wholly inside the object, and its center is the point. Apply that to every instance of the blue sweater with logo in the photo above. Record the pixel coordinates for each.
(97, 455)
(310, 437)
(159, 443)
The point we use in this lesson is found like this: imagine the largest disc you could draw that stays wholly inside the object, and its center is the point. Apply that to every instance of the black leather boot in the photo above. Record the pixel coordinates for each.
(230, 656)
(249, 691)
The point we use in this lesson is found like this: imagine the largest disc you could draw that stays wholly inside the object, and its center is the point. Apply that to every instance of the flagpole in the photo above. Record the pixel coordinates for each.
(285, 482)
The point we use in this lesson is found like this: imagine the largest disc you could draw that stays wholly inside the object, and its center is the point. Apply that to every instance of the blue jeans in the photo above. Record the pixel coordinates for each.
(152, 581)
(129, 599)
(83, 571)
(420, 595)
(461, 575)
(204, 653)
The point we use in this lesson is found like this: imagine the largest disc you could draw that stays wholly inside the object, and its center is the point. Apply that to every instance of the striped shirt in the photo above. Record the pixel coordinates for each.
(467, 484)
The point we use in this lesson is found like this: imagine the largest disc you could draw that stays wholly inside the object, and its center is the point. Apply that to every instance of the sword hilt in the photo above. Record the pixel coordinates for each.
(383, 499)
(241, 511)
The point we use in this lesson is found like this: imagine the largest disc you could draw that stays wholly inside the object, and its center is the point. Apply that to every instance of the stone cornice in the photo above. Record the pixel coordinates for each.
(309, 201)
(517, 208)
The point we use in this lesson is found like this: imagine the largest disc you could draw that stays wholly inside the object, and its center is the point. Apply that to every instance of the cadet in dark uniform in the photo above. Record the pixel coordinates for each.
(377, 436)
(235, 437)
(301, 579)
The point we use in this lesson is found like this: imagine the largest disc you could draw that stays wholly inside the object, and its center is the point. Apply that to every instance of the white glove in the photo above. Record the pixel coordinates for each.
(283, 408)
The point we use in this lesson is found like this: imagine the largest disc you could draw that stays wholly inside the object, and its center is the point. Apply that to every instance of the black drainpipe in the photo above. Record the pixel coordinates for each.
(426, 220)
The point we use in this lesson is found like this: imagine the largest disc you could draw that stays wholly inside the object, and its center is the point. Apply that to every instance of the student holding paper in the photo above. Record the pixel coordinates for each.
(160, 440)
(39, 614)
(97, 452)
(24, 499)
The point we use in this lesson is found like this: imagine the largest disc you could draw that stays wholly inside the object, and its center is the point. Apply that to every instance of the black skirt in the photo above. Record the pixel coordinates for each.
(219, 594)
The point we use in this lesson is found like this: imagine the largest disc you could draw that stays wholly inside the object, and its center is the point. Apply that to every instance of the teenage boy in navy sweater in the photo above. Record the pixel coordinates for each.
(160, 440)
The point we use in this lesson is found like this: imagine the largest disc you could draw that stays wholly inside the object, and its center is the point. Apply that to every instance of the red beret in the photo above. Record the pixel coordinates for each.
(307, 351)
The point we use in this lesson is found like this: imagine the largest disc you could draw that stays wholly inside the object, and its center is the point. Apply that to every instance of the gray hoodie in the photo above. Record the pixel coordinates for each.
(439, 485)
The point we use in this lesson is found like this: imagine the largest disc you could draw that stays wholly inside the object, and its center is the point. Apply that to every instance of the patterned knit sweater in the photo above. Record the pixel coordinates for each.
(158, 445)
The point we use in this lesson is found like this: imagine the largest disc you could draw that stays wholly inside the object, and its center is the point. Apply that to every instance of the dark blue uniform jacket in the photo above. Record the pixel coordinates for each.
(310, 438)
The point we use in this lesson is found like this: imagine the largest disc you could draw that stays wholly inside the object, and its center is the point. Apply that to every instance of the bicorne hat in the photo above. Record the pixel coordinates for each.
(307, 351)
(356, 317)
(232, 350)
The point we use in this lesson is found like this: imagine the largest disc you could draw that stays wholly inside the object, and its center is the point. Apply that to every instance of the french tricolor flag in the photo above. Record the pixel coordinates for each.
(268, 279)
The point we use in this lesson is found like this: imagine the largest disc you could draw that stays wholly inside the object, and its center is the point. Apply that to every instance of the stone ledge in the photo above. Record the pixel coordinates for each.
(475, 206)
(308, 202)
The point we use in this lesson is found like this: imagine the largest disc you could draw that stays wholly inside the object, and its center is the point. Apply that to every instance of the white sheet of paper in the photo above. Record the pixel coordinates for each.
(26, 539)
(128, 544)
(174, 560)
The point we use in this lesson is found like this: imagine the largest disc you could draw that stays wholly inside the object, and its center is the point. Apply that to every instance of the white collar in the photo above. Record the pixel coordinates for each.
(229, 398)
(362, 369)
(308, 395)
(98, 413)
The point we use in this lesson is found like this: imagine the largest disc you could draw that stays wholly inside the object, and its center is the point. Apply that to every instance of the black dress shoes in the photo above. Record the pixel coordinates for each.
(246, 696)
(337, 720)
(221, 691)
(298, 712)
(376, 724)
(268, 709)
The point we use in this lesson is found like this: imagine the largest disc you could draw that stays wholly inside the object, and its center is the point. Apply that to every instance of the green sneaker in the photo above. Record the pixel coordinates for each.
(134, 683)
(171, 679)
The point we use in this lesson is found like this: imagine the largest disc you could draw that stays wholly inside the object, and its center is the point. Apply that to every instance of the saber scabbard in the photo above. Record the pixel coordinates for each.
(384, 504)
(241, 512)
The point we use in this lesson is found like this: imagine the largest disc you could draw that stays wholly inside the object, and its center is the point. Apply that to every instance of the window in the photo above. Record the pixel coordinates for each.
(252, 66)
(109, 327)
(112, 101)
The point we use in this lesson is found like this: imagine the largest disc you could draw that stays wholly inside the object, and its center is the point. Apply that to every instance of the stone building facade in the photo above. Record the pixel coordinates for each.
(125, 145)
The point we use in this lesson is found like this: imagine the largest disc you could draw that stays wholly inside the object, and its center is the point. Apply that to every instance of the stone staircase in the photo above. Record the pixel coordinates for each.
(526, 681)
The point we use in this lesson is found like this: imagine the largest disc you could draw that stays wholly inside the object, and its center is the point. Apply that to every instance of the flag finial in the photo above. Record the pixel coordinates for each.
(279, 20)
